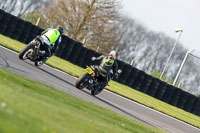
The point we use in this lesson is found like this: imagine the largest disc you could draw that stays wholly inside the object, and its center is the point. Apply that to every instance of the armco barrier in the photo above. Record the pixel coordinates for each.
(74, 52)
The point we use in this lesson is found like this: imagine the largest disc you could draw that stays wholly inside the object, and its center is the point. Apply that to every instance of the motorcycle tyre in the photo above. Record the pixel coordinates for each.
(24, 50)
(81, 80)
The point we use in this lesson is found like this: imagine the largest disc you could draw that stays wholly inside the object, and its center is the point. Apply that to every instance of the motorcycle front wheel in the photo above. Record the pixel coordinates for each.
(23, 55)
(81, 82)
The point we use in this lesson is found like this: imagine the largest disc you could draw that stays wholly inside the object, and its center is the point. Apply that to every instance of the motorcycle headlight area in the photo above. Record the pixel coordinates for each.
(89, 70)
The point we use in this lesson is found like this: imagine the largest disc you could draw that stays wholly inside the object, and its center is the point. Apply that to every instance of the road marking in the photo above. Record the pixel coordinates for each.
(8, 49)
(150, 108)
(117, 95)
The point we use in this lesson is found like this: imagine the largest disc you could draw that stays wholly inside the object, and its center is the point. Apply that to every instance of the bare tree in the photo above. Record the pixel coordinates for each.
(150, 51)
(92, 20)
(19, 7)
(8, 5)
(131, 38)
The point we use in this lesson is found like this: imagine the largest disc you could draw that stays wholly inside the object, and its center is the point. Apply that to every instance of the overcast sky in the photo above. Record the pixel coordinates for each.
(166, 15)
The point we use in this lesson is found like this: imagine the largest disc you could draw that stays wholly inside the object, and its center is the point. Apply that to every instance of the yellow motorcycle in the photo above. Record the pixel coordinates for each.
(90, 80)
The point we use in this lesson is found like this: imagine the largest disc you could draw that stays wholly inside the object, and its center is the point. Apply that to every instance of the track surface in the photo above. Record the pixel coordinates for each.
(65, 82)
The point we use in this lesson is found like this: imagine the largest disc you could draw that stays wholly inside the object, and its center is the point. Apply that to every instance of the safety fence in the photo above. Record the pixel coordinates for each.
(76, 53)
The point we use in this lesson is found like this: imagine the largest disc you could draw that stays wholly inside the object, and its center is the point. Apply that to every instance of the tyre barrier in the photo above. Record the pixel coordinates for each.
(183, 98)
(81, 57)
(76, 53)
(162, 86)
(125, 74)
(138, 80)
(196, 110)
(153, 87)
(190, 102)
(61, 49)
(132, 76)
(175, 97)
(168, 93)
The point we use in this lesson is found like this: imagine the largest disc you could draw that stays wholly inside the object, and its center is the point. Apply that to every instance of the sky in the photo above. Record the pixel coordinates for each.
(167, 15)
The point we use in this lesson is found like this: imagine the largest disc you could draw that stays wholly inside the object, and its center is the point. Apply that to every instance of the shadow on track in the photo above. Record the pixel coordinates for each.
(51, 74)
(55, 76)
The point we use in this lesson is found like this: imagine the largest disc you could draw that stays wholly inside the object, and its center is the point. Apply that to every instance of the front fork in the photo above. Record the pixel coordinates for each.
(37, 46)
(91, 84)
(36, 49)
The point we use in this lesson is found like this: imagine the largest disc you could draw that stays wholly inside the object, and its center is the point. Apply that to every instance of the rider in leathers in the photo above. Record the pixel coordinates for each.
(51, 38)
(107, 63)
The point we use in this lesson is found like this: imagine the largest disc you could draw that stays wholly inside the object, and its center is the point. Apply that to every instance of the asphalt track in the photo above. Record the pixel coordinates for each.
(107, 99)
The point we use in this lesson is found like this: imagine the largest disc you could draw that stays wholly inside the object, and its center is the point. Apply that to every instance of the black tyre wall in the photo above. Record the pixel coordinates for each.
(125, 74)
(153, 87)
(182, 100)
(63, 46)
(168, 93)
(196, 110)
(81, 57)
(75, 53)
(175, 97)
(138, 80)
(18, 29)
(161, 90)
(133, 74)
(190, 102)
(146, 83)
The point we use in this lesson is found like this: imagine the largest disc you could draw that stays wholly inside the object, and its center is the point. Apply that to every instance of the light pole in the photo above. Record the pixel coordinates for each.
(180, 32)
(182, 64)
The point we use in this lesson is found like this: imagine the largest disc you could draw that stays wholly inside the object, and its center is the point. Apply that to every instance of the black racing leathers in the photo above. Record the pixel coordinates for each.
(107, 63)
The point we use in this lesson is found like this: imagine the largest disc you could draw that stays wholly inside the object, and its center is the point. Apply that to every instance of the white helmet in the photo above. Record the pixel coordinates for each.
(113, 54)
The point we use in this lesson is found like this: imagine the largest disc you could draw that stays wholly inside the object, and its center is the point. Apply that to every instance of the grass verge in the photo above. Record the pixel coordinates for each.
(114, 86)
(29, 106)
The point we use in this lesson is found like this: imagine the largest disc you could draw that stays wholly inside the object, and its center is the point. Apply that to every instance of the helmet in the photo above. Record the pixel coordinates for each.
(60, 29)
(113, 53)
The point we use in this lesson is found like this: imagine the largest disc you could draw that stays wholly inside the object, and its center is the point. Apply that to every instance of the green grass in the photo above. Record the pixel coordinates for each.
(115, 87)
(28, 106)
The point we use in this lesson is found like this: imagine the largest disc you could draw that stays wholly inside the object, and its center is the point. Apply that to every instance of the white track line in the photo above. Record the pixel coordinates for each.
(8, 49)
(117, 95)
(150, 108)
